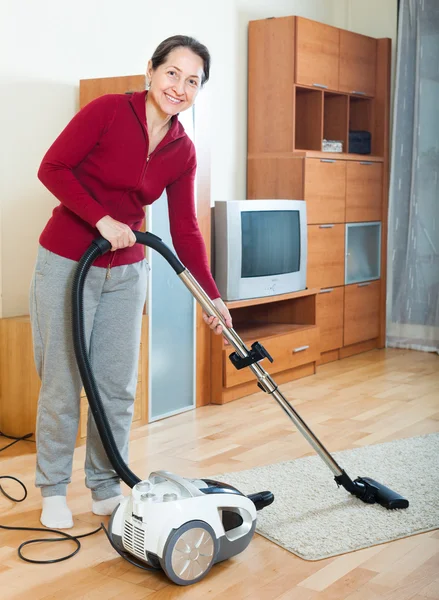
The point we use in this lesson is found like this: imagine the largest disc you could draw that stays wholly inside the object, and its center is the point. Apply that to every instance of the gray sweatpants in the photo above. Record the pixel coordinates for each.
(112, 317)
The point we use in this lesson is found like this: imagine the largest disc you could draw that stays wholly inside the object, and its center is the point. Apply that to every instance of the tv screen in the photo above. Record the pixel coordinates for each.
(270, 242)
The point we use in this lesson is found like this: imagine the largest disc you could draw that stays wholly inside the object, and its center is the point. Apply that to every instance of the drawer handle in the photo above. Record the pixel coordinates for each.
(327, 160)
(300, 349)
(364, 284)
(326, 226)
(320, 85)
(358, 92)
(366, 162)
(326, 291)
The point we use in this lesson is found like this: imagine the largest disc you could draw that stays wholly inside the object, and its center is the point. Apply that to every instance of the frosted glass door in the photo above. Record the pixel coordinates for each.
(363, 252)
(171, 330)
(172, 339)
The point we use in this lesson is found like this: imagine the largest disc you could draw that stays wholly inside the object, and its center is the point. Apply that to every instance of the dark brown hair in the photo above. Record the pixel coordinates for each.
(182, 41)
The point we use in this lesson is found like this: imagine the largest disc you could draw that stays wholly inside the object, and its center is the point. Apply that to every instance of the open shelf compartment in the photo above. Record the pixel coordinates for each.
(308, 131)
(335, 118)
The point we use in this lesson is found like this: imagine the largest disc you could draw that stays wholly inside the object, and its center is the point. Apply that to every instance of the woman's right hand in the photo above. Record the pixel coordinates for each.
(118, 234)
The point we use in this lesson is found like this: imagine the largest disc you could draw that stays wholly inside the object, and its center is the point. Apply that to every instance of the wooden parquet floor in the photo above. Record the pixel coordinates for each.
(371, 398)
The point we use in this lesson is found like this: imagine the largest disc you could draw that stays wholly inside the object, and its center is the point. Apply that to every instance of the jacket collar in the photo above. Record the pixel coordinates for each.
(138, 103)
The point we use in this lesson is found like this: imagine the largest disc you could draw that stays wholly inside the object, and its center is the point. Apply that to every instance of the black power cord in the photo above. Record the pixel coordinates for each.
(64, 536)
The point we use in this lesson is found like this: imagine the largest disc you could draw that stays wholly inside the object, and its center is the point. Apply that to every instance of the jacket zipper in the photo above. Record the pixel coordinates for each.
(108, 273)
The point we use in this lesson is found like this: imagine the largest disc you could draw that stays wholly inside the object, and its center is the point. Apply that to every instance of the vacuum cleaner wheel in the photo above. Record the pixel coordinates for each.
(190, 552)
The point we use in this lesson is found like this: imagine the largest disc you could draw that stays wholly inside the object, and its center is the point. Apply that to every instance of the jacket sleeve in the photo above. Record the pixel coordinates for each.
(186, 235)
(70, 148)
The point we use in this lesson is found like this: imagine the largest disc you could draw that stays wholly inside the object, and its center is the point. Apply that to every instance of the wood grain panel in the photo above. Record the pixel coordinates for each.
(90, 89)
(19, 381)
(325, 256)
(317, 53)
(382, 141)
(361, 312)
(357, 63)
(270, 87)
(364, 190)
(330, 318)
(325, 190)
(279, 178)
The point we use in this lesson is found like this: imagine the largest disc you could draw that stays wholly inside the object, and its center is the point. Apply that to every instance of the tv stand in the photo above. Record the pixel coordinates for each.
(285, 325)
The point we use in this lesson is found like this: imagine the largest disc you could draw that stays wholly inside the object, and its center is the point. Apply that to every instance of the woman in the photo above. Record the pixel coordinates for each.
(117, 155)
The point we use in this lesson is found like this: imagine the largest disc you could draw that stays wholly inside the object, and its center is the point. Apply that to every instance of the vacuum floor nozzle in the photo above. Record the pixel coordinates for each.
(381, 494)
(370, 491)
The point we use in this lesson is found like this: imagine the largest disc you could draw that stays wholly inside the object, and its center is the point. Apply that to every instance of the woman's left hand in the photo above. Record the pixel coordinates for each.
(214, 322)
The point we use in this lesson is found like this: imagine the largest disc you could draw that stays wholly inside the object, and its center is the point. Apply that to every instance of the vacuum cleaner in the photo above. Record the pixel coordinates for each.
(184, 526)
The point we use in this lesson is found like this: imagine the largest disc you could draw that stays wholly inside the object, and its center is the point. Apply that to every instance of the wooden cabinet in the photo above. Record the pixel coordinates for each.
(358, 55)
(330, 302)
(361, 312)
(339, 82)
(317, 54)
(326, 257)
(285, 325)
(325, 190)
(364, 191)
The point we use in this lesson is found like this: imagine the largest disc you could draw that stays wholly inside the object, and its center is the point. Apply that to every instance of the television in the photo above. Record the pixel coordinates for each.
(260, 247)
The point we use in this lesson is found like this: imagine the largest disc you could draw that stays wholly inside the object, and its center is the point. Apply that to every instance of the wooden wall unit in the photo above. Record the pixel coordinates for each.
(340, 82)
(20, 384)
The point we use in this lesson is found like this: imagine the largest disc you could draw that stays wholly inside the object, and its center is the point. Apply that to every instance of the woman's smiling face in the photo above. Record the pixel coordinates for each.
(174, 85)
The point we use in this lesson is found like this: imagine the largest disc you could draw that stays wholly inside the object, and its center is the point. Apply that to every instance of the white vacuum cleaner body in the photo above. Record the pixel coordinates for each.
(183, 526)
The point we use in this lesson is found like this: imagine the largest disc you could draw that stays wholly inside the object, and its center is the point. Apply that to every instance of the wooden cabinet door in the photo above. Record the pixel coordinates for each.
(364, 191)
(358, 55)
(330, 318)
(325, 255)
(325, 190)
(274, 177)
(270, 85)
(361, 312)
(317, 54)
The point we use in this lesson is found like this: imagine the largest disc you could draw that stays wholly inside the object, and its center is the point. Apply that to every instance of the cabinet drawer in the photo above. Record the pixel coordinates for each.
(364, 191)
(325, 190)
(361, 312)
(357, 63)
(330, 318)
(288, 351)
(317, 54)
(326, 245)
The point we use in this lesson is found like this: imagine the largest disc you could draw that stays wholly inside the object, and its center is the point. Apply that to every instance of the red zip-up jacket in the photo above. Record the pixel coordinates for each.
(98, 166)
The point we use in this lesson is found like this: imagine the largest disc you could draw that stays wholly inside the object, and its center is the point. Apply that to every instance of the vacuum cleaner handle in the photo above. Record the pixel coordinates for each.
(153, 241)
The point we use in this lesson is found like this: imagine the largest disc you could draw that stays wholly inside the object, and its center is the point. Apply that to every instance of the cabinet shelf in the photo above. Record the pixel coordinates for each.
(339, 156)
(269, 299)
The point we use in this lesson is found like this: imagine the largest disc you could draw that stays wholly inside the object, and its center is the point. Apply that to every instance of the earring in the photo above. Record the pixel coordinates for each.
(148, 84)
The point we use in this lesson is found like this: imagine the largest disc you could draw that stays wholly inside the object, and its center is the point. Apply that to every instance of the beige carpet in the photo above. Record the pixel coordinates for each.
(314, 519)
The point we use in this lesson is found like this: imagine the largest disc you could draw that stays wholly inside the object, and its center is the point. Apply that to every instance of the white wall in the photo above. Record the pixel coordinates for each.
(47, 46)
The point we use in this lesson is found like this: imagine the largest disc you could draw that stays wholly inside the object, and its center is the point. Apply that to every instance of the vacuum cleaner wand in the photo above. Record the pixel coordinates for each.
(364, 488)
